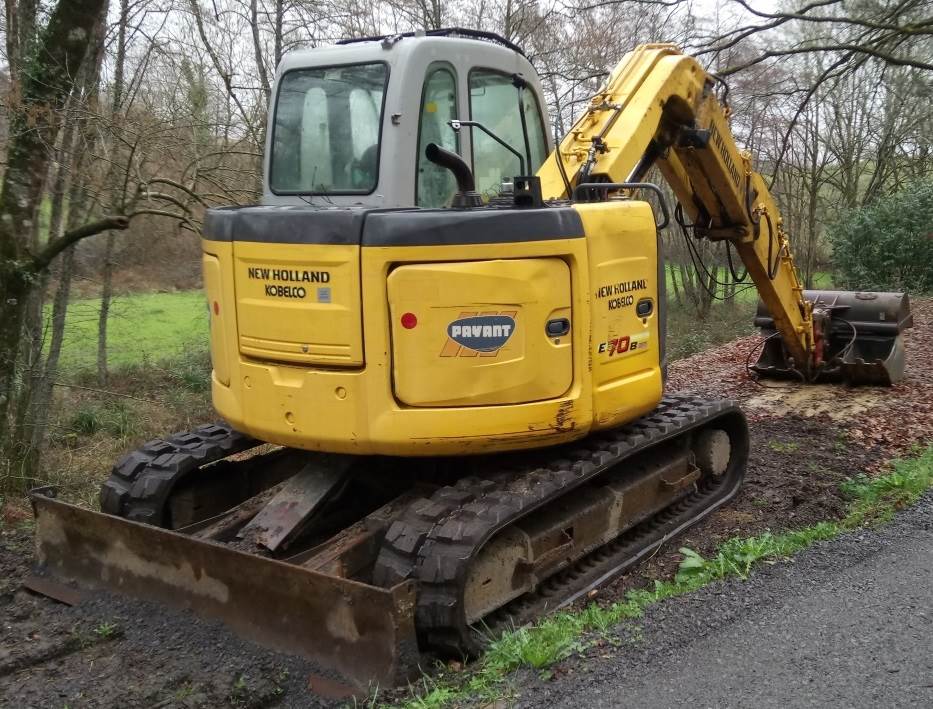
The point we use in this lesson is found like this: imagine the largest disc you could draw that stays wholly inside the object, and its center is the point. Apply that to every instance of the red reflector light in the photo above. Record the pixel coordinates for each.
(409, 320)
(216, 308)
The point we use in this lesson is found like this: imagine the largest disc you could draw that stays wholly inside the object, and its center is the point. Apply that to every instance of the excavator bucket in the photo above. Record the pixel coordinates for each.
(363, 633)
(865, 341)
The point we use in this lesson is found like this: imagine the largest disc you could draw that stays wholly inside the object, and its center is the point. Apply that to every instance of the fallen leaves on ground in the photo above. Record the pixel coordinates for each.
(896, 418)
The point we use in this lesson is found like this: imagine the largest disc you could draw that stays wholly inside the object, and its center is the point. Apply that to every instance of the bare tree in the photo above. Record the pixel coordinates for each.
(61, 47)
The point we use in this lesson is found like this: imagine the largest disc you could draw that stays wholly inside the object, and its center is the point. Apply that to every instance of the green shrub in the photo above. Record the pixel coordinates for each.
(888, 245)
(194, 369)
(112, 417)
(86, 421)
(121, 421)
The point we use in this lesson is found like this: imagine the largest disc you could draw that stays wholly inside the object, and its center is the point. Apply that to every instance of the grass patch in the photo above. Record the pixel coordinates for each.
(142, 327)
(91, 429)
(871, 501)
(107, 630)
(113, 416)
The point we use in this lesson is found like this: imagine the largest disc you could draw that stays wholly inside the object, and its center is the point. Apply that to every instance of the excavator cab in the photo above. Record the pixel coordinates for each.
(350, 123)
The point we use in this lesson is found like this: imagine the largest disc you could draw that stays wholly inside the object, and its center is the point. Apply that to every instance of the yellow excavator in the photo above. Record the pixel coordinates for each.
(438, 347)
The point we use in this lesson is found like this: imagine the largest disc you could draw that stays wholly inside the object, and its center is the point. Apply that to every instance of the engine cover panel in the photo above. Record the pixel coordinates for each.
(476, 332)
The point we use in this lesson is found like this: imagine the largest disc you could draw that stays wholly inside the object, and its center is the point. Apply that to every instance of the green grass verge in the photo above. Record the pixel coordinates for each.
(872, 501)
(142, 328)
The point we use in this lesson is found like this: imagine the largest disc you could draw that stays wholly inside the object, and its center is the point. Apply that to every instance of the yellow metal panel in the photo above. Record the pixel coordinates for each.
(219, 312)
(356, 411)
(625, 349)
(299, 303)
(475, 332)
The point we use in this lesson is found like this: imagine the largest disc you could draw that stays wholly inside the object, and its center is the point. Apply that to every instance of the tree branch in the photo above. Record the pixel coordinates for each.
(53, 248)
(854, 48)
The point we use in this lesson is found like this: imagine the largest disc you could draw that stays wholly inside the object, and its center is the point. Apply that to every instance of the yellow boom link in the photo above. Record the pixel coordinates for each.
(659, 107)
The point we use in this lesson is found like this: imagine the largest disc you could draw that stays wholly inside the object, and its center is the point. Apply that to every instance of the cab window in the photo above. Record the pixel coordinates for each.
(494, 102)
(435, 185)
(325, 136)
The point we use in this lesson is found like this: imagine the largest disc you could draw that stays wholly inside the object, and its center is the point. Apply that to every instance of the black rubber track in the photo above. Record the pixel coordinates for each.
(140, 483)
(398, 558)
(439, 539)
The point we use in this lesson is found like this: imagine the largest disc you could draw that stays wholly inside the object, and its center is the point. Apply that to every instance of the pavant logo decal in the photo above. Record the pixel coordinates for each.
(482, 334)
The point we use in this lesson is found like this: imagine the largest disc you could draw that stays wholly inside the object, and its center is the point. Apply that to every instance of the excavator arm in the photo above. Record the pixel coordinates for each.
(660, 108)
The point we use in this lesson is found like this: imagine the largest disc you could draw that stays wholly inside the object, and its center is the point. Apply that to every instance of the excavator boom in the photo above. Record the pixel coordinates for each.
(660, 108)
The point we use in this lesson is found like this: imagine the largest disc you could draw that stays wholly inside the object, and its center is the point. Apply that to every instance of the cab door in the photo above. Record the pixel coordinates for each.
(435, 185)
(498, 104)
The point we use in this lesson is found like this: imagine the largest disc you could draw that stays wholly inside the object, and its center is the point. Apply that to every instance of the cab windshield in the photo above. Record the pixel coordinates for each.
(325, 137)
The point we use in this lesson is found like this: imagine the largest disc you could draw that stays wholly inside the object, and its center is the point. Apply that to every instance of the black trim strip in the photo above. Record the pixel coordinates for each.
(443, 32)
(284, 225)
(391, 227)
(449, 227)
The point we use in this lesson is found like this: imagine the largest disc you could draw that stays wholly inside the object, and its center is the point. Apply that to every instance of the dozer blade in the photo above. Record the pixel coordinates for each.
(364, 633)
(865, 344)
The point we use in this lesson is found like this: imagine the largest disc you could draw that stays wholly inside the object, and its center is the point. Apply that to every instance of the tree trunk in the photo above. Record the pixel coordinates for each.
(30, 363)
(116, 195)
(707, 291)
(15, 287)
(728, 291)
(20, 34)
(673, 271)
(106, 293)
(54, 62)
(686, 280)
(257, 49)
(279, 18)
(42, 404)
(71, 186)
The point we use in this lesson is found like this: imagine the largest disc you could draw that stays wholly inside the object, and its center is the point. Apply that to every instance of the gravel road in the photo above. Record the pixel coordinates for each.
(848, 624)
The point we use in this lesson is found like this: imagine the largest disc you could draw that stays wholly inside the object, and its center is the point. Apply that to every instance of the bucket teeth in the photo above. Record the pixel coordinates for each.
(864, 344)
